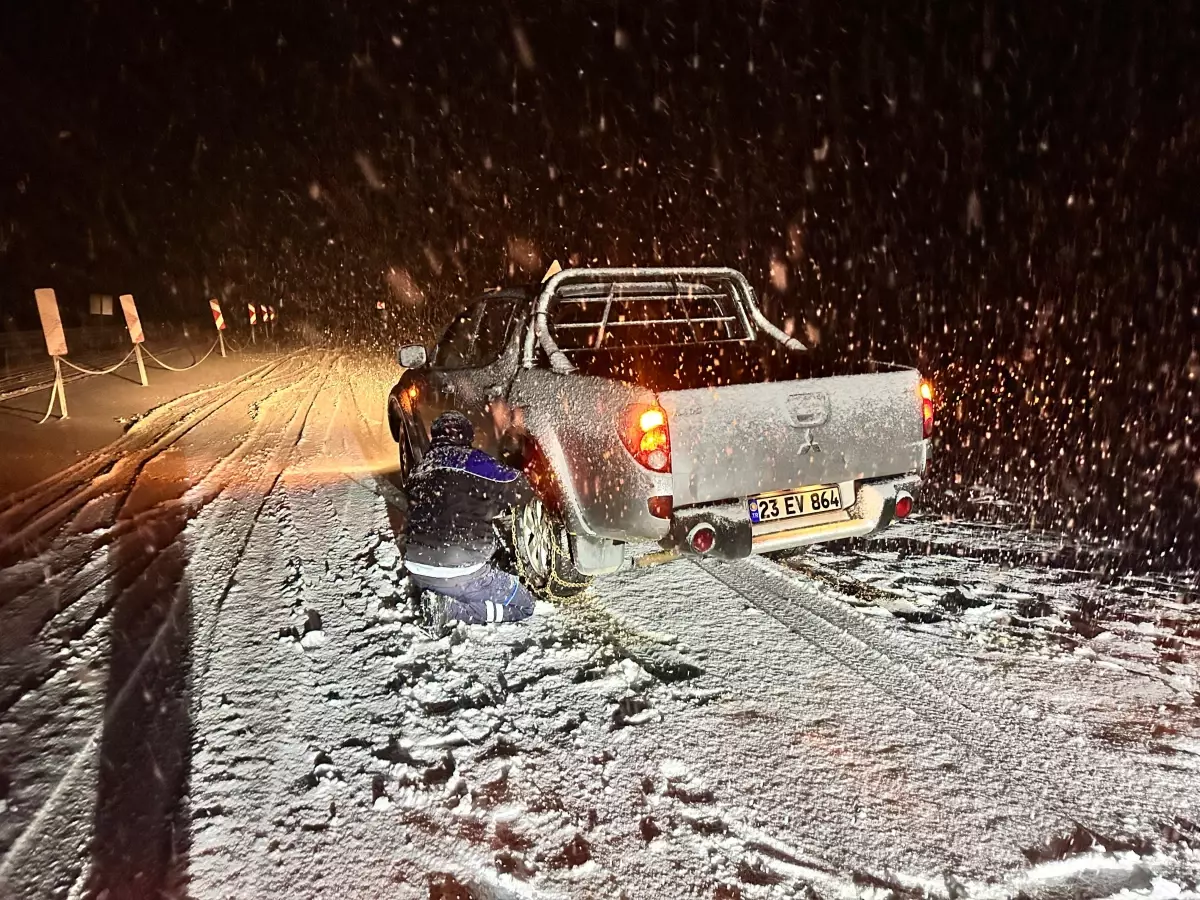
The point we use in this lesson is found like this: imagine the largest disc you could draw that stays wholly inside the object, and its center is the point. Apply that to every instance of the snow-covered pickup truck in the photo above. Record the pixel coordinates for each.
(660, 405)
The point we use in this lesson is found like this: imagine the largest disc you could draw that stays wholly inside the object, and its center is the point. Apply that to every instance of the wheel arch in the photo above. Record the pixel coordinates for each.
(544, 463)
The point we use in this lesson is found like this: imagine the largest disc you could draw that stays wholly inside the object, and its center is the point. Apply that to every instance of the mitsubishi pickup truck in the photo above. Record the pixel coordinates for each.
(661, 406)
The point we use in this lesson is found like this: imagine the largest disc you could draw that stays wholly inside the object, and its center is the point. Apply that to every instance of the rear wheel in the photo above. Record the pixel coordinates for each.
(542, 551)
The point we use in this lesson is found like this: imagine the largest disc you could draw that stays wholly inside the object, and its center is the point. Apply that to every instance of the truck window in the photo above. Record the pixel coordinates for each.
(454, 350)
(494, 329)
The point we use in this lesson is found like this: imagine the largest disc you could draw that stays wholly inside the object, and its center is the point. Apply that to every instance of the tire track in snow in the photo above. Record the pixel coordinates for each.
(794, 609)
(202, 495)
(31, 614)
(78, 771)
(274, 386)
(105, 525)
(161, 525)
(257, 761)
(1130, 790)
(288, 550)
(374, 442)
(279, 432)
(34, 516)
(954, 703)
(265, 486)
(162, 417)
(173, 517)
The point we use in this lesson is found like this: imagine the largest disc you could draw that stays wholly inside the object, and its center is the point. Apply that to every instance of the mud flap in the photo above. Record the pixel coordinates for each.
(597, 556)
(887, 515)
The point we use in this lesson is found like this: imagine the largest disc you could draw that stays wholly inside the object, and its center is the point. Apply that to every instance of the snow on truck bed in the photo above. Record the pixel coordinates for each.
(211, 685)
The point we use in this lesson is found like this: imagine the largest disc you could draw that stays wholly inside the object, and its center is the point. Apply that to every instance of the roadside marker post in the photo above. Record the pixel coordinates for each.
(56, 343)
(271, 319)
(135, 333)
(253, 321)
(219, 321)
(137, 350)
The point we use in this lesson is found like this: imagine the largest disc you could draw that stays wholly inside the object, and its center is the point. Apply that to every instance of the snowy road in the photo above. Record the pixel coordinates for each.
(209, 687)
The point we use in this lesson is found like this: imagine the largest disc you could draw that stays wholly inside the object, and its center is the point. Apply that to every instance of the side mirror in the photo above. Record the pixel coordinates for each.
(411, 356)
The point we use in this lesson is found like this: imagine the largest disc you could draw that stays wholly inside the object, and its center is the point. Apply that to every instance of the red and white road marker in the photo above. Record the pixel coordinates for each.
(219, 321)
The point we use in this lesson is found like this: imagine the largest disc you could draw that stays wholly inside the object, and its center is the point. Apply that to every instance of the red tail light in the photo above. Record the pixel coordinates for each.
(644, 433)
(660, 506)
(926, 409)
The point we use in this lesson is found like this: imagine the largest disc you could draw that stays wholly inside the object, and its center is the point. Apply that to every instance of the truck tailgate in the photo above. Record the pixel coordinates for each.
(746, 439)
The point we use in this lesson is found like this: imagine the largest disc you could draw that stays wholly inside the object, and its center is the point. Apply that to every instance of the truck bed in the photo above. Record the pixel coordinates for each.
(750, 417)
(716, 364)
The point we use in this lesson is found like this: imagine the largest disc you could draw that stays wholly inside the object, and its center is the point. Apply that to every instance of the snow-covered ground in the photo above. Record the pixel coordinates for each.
(211, 686)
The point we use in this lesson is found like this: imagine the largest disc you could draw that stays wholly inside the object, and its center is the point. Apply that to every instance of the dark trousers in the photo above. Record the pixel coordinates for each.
(488, 595)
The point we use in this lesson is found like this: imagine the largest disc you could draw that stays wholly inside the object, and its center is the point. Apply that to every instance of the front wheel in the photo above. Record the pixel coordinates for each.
(542, 551)
(408, 458)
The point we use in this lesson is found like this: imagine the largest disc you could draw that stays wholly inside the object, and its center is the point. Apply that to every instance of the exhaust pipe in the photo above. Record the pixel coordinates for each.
(702, 538)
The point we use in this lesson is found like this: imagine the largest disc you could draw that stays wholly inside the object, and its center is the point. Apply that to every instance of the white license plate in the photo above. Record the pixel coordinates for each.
(804, 502)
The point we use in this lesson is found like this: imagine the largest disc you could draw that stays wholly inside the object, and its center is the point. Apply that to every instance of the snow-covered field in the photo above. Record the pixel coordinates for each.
(211, 686)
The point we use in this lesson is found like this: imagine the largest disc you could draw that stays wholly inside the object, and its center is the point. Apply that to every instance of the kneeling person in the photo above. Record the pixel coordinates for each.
(454, 494)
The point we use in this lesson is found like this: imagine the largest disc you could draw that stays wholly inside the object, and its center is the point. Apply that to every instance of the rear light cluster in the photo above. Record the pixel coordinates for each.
(644, 433)
(904, 505)
(926, 409)
(661, 506)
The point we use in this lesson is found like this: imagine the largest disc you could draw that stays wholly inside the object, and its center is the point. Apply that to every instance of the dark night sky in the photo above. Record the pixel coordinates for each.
(1005, 193)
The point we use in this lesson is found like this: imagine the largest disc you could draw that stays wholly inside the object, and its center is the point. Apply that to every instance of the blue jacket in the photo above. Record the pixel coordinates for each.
(454, 495)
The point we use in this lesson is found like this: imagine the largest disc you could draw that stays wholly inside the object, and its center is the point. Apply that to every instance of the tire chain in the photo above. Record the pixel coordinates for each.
(554, 579)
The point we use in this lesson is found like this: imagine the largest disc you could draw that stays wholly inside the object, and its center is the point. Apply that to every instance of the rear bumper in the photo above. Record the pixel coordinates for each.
(873, 509)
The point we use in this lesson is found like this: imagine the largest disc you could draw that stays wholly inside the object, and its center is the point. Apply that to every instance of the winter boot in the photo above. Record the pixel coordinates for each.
(435, 611)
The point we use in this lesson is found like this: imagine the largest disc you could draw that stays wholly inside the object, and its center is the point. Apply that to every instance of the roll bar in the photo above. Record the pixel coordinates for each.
(538, 332)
